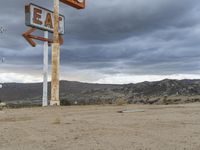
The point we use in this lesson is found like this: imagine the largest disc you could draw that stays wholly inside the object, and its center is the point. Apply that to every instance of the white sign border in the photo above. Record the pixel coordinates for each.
(29, 16)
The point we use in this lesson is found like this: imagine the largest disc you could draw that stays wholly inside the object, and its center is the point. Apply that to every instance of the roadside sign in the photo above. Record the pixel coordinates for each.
(29, 38)
(79, 4)
(42, 18)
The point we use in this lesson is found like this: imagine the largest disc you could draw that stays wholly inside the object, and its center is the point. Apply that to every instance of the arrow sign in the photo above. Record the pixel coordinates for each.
(29, 38)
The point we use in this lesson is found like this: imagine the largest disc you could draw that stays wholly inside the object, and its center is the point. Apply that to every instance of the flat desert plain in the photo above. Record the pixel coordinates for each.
(172, 127)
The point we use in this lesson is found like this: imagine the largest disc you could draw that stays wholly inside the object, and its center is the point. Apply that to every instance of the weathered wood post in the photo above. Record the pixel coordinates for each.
(55, 58)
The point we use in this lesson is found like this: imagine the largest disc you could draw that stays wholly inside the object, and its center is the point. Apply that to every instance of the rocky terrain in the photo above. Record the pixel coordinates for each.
(159, 92)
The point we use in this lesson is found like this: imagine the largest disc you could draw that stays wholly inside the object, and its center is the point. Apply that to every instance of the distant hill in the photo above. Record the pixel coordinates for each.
(159, 92)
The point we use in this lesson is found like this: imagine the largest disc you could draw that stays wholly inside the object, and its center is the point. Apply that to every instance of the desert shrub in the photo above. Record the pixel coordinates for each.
(196, 100)
(154, 101)
(165, 100)
(2, 105)
(65, 102)
(121, 102)
(22, 105)
(130, 101)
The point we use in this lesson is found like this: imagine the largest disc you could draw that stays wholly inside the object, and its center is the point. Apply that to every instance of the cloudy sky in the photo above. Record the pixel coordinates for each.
(115, 41)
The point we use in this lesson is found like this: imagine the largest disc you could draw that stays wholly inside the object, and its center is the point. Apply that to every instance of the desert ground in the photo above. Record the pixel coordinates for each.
(172, 127)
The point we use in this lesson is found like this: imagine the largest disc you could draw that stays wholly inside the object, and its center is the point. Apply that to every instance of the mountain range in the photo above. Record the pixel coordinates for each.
(158, 92)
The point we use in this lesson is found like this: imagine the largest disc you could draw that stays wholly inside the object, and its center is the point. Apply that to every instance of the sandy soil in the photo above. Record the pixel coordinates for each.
(101, 128)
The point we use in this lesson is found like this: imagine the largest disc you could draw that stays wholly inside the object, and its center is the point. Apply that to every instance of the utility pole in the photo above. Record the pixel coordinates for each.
(55, 58)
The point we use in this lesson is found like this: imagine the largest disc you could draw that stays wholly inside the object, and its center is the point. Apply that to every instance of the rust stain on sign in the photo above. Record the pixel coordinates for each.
(79, 4)
(29, 37)
(42, 18)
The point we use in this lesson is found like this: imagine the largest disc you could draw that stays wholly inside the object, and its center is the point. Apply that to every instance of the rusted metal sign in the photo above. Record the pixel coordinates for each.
(79, 4)
(42, 18)
(29, 37)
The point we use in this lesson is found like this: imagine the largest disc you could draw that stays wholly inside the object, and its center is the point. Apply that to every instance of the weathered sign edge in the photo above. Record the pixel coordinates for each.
(27, 17)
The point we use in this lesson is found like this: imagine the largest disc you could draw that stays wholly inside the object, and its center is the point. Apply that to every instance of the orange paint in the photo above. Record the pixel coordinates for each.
(42, 18)
(29, 38)
(48, 21)
(37, 16)
(74, 3)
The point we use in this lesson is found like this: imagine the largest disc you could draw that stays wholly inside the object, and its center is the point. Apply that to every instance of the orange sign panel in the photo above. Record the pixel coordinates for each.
(79, 4)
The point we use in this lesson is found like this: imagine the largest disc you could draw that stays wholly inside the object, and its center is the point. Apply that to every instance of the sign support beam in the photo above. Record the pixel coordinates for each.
(55, 58)
(45, 72)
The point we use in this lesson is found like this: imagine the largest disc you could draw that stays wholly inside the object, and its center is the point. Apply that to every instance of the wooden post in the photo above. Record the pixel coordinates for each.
(55, 58)
(45, 72)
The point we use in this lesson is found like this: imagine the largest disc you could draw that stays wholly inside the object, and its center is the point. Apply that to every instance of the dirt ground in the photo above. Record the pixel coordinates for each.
(101, 128)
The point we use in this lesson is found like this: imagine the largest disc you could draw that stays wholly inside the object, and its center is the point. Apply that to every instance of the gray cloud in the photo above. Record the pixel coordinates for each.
(136, 37)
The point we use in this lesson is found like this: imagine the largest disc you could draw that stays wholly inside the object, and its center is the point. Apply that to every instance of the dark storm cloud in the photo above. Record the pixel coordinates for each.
(132, 36)
(120, 20)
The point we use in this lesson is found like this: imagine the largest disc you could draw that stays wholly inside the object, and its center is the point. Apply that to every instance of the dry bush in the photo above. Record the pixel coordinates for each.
(121, 102)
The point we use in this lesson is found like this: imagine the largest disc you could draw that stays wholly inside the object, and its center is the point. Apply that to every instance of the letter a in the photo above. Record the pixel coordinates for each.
(48, 21)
